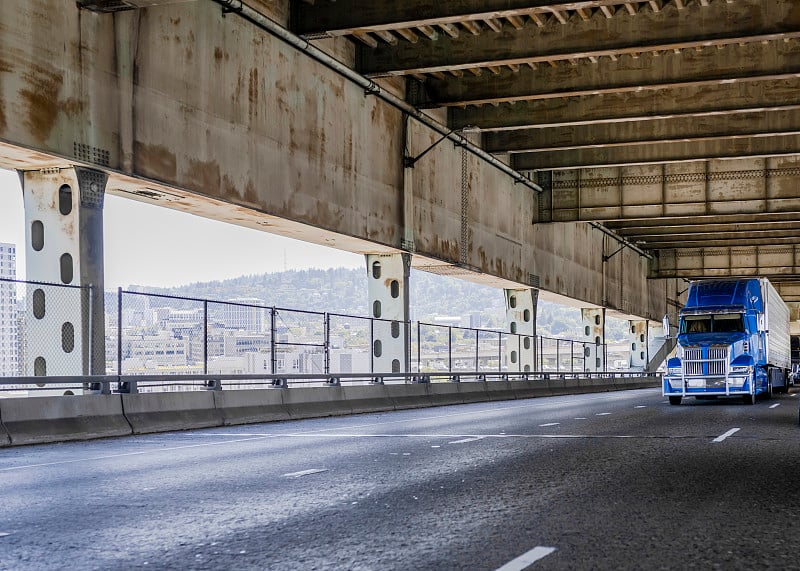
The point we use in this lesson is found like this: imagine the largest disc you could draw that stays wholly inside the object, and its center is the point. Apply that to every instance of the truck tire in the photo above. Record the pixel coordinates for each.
(675, 400)
(749, 399)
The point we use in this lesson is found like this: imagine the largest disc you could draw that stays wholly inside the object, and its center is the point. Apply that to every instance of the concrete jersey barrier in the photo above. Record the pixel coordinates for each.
(36, 420)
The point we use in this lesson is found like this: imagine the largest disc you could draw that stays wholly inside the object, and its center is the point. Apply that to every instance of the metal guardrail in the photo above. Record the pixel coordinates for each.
(157, 342)
(106, 384)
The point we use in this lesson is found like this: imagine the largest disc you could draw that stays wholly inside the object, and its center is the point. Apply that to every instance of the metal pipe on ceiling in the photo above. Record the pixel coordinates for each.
(370, 87)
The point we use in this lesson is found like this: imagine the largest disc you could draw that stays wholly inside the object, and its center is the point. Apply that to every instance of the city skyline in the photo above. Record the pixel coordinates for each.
(203, 246)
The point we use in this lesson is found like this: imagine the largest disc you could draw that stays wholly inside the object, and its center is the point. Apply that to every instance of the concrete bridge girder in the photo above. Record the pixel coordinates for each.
(252, 132)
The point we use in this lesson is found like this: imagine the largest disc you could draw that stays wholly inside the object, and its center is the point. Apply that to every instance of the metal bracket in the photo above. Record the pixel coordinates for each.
(409, 162)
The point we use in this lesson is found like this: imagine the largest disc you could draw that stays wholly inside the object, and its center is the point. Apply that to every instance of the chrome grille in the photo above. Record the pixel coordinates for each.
(717, 357)
(692, 362)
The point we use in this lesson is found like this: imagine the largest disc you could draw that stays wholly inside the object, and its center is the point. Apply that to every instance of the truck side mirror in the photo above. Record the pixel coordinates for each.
(665, 325)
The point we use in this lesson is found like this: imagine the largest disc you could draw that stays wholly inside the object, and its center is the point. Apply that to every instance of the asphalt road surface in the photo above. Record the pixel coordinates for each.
(604, 481)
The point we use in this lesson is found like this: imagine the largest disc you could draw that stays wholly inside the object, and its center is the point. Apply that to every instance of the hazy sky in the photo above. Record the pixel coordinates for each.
(177, 248)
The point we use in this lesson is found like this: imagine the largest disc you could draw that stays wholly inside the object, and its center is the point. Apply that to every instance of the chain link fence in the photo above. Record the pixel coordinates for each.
(46, 330)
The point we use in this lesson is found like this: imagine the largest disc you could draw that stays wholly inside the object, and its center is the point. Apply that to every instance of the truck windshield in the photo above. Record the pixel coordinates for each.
(721, 323)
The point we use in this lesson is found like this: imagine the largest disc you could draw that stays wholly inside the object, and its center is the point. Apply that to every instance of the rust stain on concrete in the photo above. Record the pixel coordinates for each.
(204, 176)
(40, 98)
(155, 161)
(218, 54)
(72, 107)
(252, 92)
(5, 66)
(3, 123)
(250, 194)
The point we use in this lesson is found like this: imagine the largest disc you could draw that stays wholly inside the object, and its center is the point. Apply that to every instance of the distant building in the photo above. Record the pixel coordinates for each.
(246, 314)
(9, 317)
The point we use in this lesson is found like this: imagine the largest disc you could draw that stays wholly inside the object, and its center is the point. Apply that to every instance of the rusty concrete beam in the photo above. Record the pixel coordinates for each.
(348, 16)
(720, 24)
(685, 129)
(687, 69)
(722, 147)
(693, 101)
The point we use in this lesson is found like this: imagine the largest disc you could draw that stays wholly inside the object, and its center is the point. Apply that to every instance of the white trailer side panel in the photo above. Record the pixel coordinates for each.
(777, 323)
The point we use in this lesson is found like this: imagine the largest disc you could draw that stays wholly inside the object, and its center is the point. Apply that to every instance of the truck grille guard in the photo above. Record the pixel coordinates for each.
(712, 372)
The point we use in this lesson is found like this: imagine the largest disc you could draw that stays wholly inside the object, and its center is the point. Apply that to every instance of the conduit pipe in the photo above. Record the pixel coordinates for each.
(370, 87)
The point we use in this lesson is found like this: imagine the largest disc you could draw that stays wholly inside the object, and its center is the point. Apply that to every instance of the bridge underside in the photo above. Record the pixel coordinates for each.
(663, 134)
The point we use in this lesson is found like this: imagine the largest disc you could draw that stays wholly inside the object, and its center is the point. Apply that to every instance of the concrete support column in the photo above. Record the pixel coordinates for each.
(639, 339)
(388, 301)
(64, 245)
(594, 334)
(520, 350)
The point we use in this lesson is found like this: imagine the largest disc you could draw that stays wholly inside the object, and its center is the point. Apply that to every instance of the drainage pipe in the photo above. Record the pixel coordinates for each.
(370, 87)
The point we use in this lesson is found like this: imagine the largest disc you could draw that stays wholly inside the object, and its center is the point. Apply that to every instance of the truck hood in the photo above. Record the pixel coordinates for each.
(708, 339)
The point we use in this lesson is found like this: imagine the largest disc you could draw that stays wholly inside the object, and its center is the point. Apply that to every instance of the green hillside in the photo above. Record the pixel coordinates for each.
(344, 291)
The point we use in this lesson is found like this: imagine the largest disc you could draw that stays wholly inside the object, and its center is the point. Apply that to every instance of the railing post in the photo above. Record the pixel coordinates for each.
(499, 351)
(327, 343)
(419, 347)
(558, 355)
(272, 330)
(477, 350)
(119, 331)
(450, 348)
(371, 345)
(205, 337)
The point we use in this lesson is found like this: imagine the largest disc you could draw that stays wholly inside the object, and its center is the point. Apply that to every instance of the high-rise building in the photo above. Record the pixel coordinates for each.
(9, 326)
(245, 313)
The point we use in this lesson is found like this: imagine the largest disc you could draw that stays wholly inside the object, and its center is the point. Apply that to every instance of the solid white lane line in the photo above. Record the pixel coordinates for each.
(550, 424)
(417, 419)
(776, 405)
(527, 559)
(305, 472)
(722, 437)
(463, 440)
(139, 453)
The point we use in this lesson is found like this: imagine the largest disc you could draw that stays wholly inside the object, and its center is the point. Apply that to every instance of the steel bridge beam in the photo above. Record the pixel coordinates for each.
(703, 68)
(716, 25)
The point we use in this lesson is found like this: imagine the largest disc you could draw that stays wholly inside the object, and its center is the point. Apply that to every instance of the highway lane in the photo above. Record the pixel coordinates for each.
(603, 481)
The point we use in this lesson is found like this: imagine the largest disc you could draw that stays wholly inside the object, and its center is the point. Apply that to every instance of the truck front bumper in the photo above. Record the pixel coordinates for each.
(702, 385)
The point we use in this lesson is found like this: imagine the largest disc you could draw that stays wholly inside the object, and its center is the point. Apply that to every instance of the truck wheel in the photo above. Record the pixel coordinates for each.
(749, 399)
(770, 391)
(675, 400)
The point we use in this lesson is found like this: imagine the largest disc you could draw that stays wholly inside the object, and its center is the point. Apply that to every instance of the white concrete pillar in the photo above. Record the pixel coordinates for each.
(64, 245)
(520, 349)
(594, 335)
(638, 337)
(388, 301)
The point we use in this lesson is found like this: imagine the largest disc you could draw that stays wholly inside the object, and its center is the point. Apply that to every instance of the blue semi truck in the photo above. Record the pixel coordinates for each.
(733, 340)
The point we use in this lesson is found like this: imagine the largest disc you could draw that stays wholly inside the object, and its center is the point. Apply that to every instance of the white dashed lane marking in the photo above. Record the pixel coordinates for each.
(549, 424)
(305, 473)
(464, 440)
(602, 414)
(776, 405)
(527, 559)
(722, 437)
